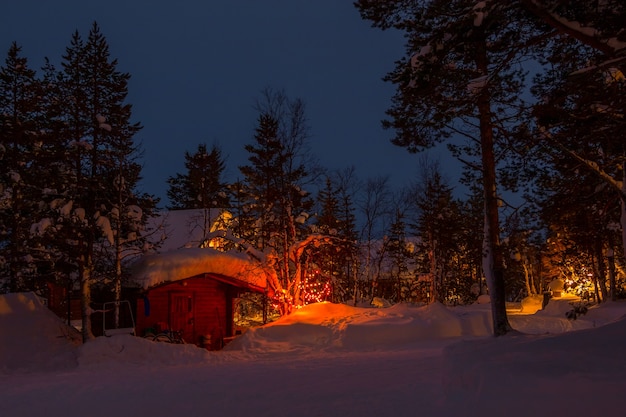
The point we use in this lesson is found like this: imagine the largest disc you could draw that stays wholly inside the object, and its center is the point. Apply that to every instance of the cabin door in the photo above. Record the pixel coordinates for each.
(182, 314)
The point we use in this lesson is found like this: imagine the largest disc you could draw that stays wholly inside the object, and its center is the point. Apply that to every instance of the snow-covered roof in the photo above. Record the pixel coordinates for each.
(153, 270)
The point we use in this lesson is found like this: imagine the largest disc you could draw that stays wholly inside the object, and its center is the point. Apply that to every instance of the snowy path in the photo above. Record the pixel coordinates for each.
(357, 384)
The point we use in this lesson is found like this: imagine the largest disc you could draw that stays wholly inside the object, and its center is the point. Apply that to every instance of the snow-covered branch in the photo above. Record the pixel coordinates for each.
(590, 165)
(316, 239)
(586, 34)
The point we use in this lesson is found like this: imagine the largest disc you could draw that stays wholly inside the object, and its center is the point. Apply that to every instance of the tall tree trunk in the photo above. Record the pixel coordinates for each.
(612, 286)
(85, 297)
(433, 268)
(493, 262)
(118, 279)
(601, 269)
(527, 278)
(622, 201)
(610, 256)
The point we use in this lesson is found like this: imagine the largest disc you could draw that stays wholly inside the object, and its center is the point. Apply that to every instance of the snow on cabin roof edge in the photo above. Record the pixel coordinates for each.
(156, 269)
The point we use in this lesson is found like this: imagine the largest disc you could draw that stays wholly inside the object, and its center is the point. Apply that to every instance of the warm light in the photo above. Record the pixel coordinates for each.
(315, 288)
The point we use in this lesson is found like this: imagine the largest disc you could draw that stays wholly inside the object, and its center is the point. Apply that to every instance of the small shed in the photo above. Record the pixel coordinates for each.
(193, 290)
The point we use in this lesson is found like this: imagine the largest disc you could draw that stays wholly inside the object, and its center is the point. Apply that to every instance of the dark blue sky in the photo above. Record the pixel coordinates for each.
(198, 66)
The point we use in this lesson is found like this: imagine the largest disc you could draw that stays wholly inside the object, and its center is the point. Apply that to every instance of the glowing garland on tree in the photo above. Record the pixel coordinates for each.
(312, 290)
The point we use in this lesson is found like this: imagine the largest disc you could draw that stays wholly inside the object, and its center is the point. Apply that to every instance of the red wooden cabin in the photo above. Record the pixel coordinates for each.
(201, 307)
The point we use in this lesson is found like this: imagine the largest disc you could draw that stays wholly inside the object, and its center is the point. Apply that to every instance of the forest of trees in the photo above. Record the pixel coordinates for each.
(70, 210)
(524, 92)
(527, 94)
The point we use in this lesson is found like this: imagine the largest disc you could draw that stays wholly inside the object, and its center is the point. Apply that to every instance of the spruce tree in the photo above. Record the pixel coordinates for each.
(438, 226)
(401, 262)
(95, 198)
(126, 210)
(275, 203)
(336, 219)
(68, 143)
(471, 231)
(201, 186)
(20, 142)
(263, 185)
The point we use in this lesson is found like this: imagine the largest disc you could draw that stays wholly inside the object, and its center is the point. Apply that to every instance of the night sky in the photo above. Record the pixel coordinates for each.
(198, 67)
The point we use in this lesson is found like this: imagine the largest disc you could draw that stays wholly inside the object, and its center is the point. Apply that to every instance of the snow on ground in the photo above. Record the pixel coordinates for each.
(326, 360)
(33, 339)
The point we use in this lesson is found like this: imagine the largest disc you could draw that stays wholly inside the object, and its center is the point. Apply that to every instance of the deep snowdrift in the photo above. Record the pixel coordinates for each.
(32, 337)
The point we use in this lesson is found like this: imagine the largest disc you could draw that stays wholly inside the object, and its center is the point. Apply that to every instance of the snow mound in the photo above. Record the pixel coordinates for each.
(557, 307)
(532, 304)
(337, 326)
(132, 350)
(33, 338)
(483, 299)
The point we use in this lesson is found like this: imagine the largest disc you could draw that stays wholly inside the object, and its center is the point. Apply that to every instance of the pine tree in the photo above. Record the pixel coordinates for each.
(580, 119)
(462, 79)
(125, 213)
(20, 141)
(68, 142)
(401, 259)
(336, 219)
(94, 200)
(580, 213)
(328, 223)
(201, 187)
(471, 219)
(597, 24)
(263, 185)
(438, 227)
(275, 204)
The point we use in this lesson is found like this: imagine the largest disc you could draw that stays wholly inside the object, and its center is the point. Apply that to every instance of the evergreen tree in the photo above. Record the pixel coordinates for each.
(275, 204)
(328, 222)
(597, 24)
(580, 110)
(125, 212)
(402, 268)
(201, 187)
(471, 231)
(328, 219)
(20, 127)
(49, 158)
(96, 185)
(462, 79)
(580, 212)
(67, 140)
(350, 249)
(580, 119)
(337, 220)
(263, 185)
(523, 247)
(438, 226)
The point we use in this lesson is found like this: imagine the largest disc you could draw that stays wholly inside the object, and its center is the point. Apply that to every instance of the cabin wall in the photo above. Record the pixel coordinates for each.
(201, 307)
